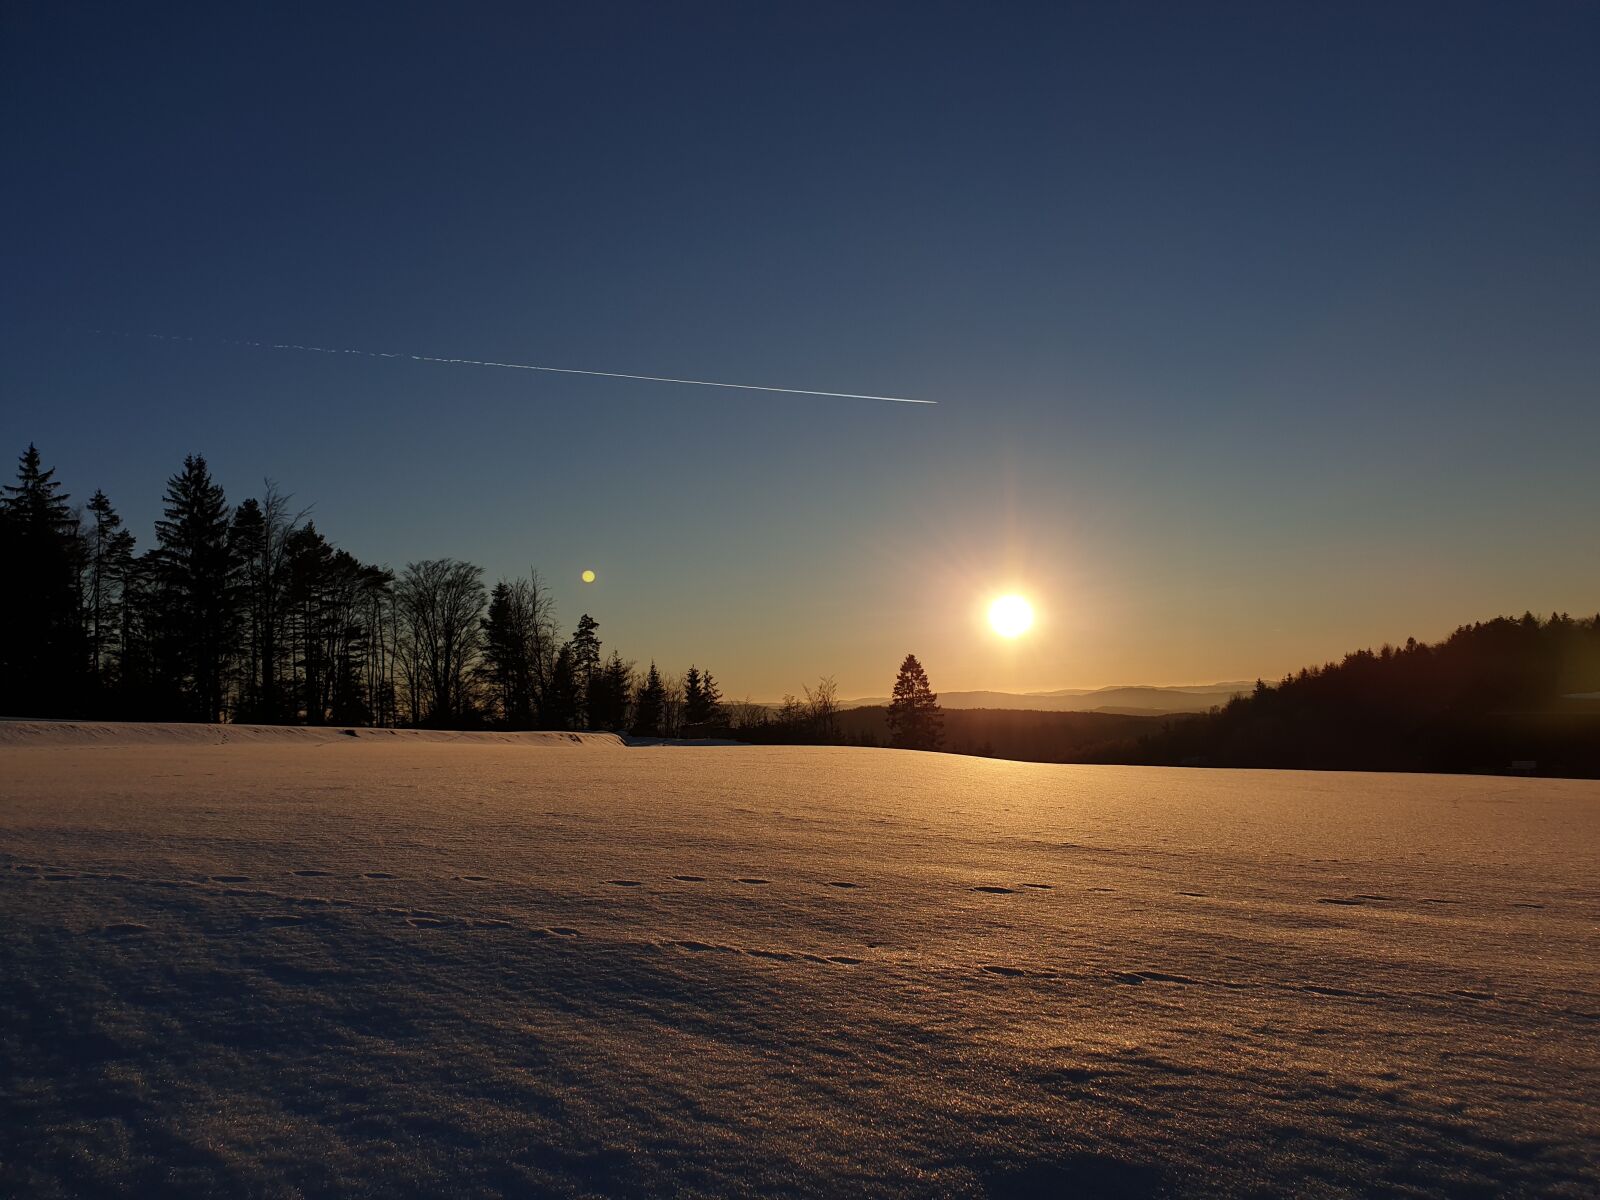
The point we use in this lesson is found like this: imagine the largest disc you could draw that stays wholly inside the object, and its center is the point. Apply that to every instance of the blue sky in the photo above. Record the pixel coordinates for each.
(1258, 332)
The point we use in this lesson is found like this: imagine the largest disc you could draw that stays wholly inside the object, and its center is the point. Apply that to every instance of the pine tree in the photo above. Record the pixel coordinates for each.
(608, 694)
(560, 707)
(915, 719)
(711, 700)
(649, 705)
(198, 590)
(43, 656)
(694, 697)
(585, 662)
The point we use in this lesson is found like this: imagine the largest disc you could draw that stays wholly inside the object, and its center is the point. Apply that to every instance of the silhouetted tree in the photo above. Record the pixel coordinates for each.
(109, 557)
(711, 701)
(561, 698)
(609, 693)
(648, 704)
(42, 653)
(198, 594)
(261, 534)
(694, 698)
(585, 661)
(518, 650)
(440, 604)
(915, 720)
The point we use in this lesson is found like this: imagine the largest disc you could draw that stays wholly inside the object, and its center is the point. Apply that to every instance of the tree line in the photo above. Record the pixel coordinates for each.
(248, 613)
(1506, 694)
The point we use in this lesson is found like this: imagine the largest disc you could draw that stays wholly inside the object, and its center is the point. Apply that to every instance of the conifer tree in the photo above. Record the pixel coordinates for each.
(608, 694)
(198, 590)
(585, 661)
(42, 648)
(915, 719)
(560, 707)
(711, 701)
(649, 704)
(694, 697)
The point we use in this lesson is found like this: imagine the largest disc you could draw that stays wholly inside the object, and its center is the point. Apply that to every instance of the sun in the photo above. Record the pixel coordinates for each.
(1011, 616)
(588, 576)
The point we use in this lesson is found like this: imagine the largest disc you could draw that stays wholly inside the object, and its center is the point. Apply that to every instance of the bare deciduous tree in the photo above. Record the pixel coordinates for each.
(440, 604)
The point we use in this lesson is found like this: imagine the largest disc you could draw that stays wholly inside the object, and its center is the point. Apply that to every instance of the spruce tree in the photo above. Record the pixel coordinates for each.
(649, 704)
(561, 699)
(915, 719)
(198, 591)
(711, 700)
(43, 654)
(585, 662)
(694, 697)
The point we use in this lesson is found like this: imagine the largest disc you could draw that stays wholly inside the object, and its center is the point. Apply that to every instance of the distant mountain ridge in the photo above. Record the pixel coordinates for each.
(1130, 699)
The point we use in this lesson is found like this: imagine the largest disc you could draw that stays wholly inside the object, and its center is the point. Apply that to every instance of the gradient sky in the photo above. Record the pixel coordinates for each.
(1259, 332)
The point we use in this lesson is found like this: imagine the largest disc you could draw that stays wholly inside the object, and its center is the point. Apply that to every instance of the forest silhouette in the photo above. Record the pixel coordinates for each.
(248, 613)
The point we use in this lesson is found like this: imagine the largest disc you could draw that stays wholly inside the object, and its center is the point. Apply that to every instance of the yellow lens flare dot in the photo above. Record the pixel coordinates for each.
(588, 576)
(1011, 616)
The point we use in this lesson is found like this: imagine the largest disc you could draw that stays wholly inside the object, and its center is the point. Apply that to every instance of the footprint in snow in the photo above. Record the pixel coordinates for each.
(59, 876)
(744, 879)
(1041, 886)
(473, 878)
(230, 879)
(1008, 972)
(841, 883)
(994, 891)
(312, 874)
(623, 882)
(425, 922)
(376, 875)
(690, 878)
(124, 928)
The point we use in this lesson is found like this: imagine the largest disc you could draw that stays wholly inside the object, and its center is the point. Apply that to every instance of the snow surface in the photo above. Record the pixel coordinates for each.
(292, 962)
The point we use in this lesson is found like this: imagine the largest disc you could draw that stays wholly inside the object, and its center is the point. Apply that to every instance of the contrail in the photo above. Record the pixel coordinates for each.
(511, 366)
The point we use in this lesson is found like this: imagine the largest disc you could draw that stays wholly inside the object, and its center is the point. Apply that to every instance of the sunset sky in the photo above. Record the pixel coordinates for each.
(1257, 332)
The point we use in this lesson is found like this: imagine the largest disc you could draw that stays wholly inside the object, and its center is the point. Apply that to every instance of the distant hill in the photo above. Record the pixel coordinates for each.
(1127, 700)
(1028, 735)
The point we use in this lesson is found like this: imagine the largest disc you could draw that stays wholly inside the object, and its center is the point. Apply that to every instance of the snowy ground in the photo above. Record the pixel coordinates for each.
(273, 963)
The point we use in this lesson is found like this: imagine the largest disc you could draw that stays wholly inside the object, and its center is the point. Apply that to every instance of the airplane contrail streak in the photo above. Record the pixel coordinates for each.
(510, 366)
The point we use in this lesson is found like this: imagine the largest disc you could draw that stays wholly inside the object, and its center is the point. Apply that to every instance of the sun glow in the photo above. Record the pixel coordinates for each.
(1011, 616)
